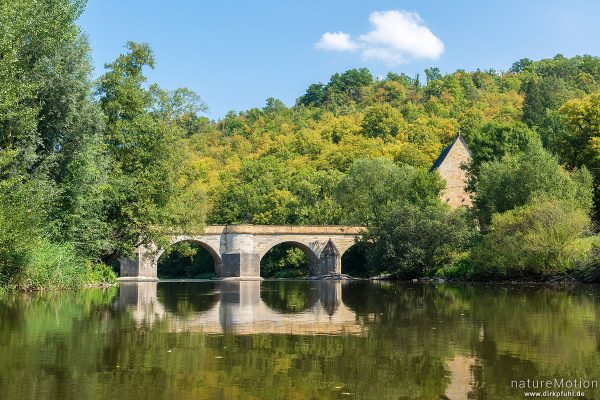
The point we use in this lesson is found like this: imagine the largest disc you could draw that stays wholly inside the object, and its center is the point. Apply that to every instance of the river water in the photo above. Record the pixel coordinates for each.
(298, 340)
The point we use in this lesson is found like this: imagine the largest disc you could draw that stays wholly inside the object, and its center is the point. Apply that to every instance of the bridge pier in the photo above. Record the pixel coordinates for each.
(240, 265)
(330, 261)
(142, 267)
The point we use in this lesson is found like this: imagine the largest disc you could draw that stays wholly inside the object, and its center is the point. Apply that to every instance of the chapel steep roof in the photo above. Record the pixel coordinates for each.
(440, 160)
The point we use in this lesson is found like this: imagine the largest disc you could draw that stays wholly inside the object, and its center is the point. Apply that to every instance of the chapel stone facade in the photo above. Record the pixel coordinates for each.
(449, 165)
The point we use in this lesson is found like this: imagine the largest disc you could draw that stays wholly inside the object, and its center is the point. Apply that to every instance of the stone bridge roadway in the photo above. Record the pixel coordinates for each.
(238, 249)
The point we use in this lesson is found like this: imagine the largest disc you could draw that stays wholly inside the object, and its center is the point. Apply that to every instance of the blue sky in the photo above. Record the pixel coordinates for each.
(236, 54)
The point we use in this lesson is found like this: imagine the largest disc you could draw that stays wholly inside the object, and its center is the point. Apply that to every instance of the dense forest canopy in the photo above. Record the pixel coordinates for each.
(355, 116)
(91, 169)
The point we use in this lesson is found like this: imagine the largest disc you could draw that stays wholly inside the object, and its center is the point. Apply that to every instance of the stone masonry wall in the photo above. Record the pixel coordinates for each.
(455, 193)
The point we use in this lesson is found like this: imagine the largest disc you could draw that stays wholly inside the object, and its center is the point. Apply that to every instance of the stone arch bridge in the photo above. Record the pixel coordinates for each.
(238, 249)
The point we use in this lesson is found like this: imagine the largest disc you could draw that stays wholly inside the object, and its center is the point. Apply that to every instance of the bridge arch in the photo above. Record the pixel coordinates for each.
(354, 259)
(214, 253)
(311, 255)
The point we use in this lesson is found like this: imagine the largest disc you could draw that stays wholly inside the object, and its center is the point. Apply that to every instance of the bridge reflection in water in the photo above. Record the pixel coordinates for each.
(276, 307)
(242, 307)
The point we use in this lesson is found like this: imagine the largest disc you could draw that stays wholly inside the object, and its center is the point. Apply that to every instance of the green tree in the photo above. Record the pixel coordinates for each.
(543, 94)
(391, 92)
(544, 237)
(516, 180)
(146, 163)
(383, 120)
(22, 207)
(32, 37)
(520, 65)
(186, 260)
(415, 240)
(50, 145)
(578, 143)
(285, 261)
(548, 83)
(351, 82)
(495, 140)
(81, 169)
(256, 193)
(180, 105)
(346, 89)
(314, 96)
(373, 186)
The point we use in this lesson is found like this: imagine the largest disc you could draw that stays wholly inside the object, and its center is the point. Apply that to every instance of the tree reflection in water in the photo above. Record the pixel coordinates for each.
(230, 340)
(289, 296)
(186, 298)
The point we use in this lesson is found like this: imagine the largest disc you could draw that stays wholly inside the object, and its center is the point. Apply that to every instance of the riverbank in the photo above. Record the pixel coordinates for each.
(99, 285)
(525, 280)
(53, 270)
(62, 275)
(390, 278)
(393, 278)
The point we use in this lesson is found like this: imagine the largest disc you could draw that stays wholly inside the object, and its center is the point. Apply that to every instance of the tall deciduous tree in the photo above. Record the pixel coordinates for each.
(146, 162)
(415, 240)
(48, 118)
(53, 163)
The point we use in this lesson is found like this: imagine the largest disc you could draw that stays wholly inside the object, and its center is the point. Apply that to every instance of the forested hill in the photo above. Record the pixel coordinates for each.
(90, 169)
(279, 165)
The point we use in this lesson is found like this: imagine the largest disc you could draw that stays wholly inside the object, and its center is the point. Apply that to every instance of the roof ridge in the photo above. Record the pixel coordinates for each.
(446, 151)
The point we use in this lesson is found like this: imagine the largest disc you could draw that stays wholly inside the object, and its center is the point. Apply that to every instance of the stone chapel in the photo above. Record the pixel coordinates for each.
(448, 164)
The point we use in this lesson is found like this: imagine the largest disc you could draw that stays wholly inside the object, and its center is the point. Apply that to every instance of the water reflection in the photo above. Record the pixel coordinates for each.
(288, 340)
(241, 307)
(140, 299)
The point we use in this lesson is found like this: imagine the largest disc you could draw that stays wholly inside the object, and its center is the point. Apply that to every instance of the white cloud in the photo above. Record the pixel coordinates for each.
(383, 54)
(396, 37)
(336, 41)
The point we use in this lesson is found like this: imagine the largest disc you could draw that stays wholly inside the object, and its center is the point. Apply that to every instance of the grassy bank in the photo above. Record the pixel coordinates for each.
(51, 266)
